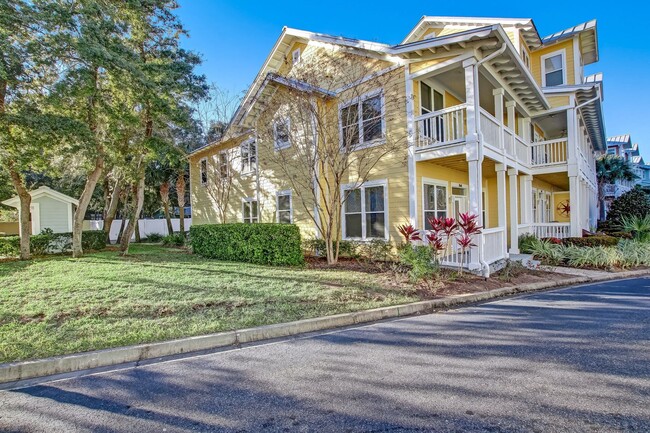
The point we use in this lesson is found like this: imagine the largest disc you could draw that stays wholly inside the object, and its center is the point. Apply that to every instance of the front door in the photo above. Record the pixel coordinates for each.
(459, 200)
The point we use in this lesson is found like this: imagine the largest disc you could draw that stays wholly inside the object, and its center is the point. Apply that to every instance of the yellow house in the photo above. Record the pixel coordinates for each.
(485, 117)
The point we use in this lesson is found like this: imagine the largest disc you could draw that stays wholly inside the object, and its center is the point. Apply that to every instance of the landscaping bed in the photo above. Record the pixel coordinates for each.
(60, 305)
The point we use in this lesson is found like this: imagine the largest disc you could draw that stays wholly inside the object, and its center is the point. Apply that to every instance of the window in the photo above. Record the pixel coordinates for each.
(250, 211)
(284, 207)
(296, 56)
(203, 169)
(435, 202)
(542, 209)
(362, 121)
(281, 133)
(432, 100)
(248, 152)
(553, 69)
(224, 168)
(525, 58)
(365, 212)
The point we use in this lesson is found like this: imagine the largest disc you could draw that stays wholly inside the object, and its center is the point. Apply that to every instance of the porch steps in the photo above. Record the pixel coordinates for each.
(526, 260)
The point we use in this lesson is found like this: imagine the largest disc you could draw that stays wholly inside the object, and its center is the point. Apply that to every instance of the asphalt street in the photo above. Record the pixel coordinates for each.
(572, 360)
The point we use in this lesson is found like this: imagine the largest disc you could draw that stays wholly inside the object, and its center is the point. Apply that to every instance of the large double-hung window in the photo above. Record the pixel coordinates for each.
(553, 69)
(248, 153)
(365, 211)
(362, 121)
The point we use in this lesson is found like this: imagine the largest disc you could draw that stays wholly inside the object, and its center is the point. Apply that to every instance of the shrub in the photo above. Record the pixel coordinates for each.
(92, 240)
(50, 243)
(635, 253)
(592, 241)
(270, 244)
(621, 235)
(9, 246)
(633, 203)
(546, 251)
(593, 257)
(511, 270)
(174, 240)
(638, 227)
(376, 250)
(316, 247)
(420, 261)
(525, 243)
(154, 237)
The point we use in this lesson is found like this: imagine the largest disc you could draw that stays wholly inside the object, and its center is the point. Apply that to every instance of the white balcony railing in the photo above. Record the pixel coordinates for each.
(522, 150)
(547, 230)
(550, 152)
(441, 127)
(490, 129)
(509, 142)
(494, 247)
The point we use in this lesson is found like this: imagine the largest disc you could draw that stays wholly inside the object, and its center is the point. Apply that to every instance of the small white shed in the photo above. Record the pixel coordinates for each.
(50, 209)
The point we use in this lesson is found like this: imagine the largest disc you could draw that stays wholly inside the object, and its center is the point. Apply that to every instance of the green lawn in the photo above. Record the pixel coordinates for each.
(62, 305)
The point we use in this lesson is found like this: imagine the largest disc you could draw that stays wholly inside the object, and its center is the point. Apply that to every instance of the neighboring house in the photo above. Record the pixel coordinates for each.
(499, 122)
(50, 209)
(622, 147)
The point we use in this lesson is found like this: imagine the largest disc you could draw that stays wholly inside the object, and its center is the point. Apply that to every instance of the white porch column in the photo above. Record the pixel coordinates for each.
(574, 203)
(501, 199)
(474, 154)
(498, 112)
(410, 137)
(510, 107)
(525, 134)
(526, 187)
(514, 210)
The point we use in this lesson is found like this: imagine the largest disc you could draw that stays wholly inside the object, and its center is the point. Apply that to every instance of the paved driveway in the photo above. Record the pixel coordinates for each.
(575, 360)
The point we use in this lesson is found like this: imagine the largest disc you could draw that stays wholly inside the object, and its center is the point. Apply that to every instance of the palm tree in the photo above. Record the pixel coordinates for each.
(609, 170)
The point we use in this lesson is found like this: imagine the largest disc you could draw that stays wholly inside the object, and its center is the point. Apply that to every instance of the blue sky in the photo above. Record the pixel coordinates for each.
(234, 38)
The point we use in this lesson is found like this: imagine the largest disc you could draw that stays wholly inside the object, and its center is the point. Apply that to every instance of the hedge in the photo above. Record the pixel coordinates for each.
(52, 243)
(267, 244)
(593, 241)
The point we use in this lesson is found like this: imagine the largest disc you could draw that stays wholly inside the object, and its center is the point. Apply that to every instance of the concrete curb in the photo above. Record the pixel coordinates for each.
(22, 371)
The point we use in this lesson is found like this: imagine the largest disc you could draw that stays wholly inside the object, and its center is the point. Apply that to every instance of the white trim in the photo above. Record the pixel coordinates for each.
(35, 211)
(277, 205)
(201, 161)
(246, 200)
(251, 169)
(70, 213)
(42, 191)
(410, 139)
(542, 65)
(359, 102)
(578, 70)
(368, 184)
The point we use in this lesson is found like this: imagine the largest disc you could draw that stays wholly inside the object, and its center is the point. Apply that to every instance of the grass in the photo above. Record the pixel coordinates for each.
(61, 305)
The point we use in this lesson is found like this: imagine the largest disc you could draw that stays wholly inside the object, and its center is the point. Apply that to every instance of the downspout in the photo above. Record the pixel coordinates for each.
(485, 268)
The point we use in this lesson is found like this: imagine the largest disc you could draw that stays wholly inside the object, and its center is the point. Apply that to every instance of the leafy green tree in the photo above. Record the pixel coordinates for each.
(609, 170)
(634, 203)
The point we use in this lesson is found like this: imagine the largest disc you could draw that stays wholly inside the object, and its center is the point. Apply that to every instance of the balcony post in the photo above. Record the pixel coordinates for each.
(471, 98)
(574, 203)
(525, 122)
(510, 107)
(501, 199)
(498, 113)
(514, 209)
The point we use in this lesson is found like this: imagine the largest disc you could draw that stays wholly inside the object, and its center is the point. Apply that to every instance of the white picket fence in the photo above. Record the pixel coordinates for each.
(147, 226)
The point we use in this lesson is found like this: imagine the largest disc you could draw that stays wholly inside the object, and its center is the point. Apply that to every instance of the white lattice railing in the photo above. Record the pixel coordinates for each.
(490, 129)
(441, 127)
(509, 142)
(547, 230)
(550, 152)
(494, 247)
(523, 150)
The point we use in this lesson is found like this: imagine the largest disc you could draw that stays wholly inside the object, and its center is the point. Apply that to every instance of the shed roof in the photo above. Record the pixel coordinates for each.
(43, 191)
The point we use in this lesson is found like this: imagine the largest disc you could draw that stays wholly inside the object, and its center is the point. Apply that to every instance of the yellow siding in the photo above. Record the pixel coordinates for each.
(558, 101)
(416, 67)
(536, 64)
(433, 171)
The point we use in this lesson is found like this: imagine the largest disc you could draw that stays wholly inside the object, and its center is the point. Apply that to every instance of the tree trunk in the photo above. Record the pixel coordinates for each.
(84, 200)
(112, 209)
(25, 211)
(164, 198)
(134, 211)
(180, 196)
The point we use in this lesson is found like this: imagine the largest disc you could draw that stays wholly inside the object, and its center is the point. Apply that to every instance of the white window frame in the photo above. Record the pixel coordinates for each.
(525, 57)
(296, 56)
(249, 201)
(221, 164)
(281, 145)
(202, 172)
(434, 182)
(561, 52)
(277, 205)
(368, 184)
(251, 168)
(359, 102)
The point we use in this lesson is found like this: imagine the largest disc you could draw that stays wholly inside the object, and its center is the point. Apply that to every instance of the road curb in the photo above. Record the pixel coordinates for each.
(22, 371)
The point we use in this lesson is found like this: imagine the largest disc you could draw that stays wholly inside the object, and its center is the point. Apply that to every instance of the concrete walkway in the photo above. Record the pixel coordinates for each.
(572, 360)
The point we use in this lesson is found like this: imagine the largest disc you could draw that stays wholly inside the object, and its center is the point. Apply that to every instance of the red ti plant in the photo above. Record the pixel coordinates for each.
(436, 242)
(468, 227)
(442, 230)
(409, 232)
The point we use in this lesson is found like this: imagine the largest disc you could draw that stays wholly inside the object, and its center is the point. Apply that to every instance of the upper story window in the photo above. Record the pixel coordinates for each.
(248, 152)
(554, 69)
(362, 120)
(281, 133)
(525, 57)
(295, 56)
(224, 166)
(203, 170)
